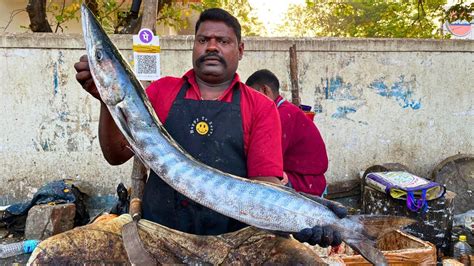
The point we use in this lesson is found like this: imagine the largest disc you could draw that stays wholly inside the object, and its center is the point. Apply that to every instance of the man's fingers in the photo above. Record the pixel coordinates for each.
(83, 76)
(81, 66)
(336, 208)
(90, 87)
(327, 236)
(83, 58)
(323, 236)
(339, 210)
(303, 235)
(317, 233)
(337, 239)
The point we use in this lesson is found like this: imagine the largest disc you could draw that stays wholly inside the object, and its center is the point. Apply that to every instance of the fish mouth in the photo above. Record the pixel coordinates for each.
(102, 56)
(87, 25)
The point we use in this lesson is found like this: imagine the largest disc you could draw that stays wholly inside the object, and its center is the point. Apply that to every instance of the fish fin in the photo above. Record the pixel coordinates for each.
(363, 245)
(309, 196)
(375, 226)
(336, 207)
(123, 123)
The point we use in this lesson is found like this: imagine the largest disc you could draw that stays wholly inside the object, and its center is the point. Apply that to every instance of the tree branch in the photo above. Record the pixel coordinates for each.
(12, 15)
(37, 12)
(150, 11)
(62, 13)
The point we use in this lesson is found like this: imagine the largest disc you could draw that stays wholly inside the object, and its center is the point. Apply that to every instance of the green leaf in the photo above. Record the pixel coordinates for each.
(364, 18)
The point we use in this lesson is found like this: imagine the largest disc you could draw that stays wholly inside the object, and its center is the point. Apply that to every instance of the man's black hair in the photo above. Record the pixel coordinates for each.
(264, 77)
(217, 14)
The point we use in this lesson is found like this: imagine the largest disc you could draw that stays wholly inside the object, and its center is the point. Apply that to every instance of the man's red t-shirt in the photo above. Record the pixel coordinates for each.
(260, 120)
(304, 152)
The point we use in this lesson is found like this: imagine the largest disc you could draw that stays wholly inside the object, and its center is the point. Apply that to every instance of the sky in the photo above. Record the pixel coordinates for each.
(271, 12)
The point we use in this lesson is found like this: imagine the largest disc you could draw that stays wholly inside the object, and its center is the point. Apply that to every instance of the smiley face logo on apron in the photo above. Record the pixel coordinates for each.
(202, 126)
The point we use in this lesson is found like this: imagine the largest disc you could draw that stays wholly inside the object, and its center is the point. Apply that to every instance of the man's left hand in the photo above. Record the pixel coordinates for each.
(323, 235)
(319, 235)
(284, 181)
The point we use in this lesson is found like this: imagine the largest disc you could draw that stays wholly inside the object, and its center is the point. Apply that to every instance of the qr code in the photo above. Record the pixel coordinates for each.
(146, 64)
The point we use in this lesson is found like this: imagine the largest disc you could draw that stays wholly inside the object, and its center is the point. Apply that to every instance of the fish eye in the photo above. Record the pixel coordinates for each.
(98, 54)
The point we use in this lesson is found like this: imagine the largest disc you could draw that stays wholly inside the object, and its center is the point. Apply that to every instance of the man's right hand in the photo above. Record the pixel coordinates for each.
(84, 77)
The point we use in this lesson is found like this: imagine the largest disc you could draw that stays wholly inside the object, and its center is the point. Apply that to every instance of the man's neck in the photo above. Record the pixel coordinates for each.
(274, 97)
(212, 91)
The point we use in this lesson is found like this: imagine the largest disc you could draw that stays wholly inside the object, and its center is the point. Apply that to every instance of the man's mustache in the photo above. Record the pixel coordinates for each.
(203, 58)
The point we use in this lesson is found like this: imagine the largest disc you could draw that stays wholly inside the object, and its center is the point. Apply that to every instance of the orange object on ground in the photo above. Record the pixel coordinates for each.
(310, 115)
(105, 218)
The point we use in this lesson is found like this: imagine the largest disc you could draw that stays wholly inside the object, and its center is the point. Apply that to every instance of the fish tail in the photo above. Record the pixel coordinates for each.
(363, 245)
(361, 231)
(375, 226)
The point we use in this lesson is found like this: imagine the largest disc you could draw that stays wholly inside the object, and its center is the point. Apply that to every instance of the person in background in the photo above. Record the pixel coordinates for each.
(304, 153)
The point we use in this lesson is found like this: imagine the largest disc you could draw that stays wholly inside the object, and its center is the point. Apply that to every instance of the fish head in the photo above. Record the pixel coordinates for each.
(103, 58)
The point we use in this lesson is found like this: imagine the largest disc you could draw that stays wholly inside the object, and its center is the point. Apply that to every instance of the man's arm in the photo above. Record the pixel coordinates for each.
(113, 144)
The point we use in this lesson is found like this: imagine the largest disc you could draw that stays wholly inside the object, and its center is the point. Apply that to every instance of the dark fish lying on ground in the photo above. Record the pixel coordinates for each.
(255, 203)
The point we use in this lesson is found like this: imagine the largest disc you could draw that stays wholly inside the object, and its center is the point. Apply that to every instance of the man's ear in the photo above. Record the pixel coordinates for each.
(241, 50)
(267, 91)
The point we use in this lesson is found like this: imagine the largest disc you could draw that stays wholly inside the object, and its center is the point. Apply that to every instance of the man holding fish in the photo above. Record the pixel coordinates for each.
(218, 120)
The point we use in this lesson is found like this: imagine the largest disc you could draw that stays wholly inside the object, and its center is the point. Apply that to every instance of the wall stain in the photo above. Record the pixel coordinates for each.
(465, 113)
(401, 91)
(345, 62)
(318, 98)
(337, 89)
(63, 127)
(342, 111)
(56, 71)
(55, 78)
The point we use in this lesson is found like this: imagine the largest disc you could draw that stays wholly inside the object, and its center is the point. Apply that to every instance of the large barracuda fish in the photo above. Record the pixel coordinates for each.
(255, 203)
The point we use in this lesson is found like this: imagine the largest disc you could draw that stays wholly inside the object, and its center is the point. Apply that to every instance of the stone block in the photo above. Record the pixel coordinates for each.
(44, 221)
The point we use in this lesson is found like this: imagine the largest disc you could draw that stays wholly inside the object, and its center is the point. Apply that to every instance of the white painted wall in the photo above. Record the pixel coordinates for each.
(379, 100)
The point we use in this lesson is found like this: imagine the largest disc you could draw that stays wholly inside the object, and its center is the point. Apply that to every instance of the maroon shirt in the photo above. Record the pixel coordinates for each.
(304, 154)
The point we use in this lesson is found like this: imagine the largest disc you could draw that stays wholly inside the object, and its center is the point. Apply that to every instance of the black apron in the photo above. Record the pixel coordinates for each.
(211, 131)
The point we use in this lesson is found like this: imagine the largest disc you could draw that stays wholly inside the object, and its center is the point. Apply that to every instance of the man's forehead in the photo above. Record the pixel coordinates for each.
(213, 28)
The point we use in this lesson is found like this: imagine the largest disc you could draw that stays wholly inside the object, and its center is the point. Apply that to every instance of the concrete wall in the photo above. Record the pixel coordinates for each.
(406, 101)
